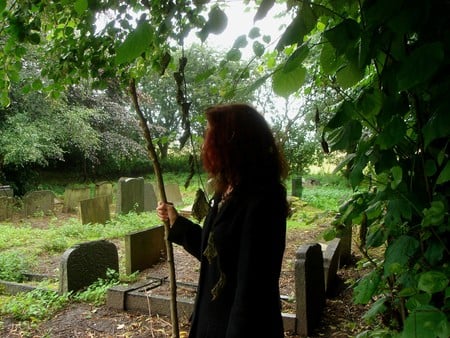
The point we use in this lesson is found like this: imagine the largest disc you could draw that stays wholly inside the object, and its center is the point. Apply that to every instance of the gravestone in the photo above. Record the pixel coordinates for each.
(297, 186)
(85, 263)
(130, 195)
(95, 210)
(6, 207)
(150, 200)
(144, 248)
(331, 256)
(345, 235)
(73, 196)
(309, 288)
(38, 201)
(173, 193)
(104, 189)
(6, 191)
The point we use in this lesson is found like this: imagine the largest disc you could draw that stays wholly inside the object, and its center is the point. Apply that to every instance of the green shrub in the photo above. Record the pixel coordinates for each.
(12, 265)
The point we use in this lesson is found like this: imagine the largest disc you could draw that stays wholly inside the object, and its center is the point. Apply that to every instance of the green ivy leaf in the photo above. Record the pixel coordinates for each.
(398, 254)
(426, 322)
(240, 42)
(288, 81)
(432, 281)
(254, 33)
(137, 42)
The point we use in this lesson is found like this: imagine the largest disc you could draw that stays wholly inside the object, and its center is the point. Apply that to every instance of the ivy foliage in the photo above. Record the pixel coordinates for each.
(387, 60)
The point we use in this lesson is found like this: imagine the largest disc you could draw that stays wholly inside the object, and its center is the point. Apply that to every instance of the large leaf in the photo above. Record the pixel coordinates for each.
(432, 281)
(366, 288)
(288, 80)
(349, 75)
(438, 126)
(420, 66)
(343, 36)
(136, 43)
(216, 24)
(263, 9)
(444, 176)
(393, 132)
(302, 24)
(398, 254)
(345, 137)
(426, 322)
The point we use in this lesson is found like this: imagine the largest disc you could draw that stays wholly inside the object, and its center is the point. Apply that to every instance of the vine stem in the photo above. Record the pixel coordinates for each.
(158, 173)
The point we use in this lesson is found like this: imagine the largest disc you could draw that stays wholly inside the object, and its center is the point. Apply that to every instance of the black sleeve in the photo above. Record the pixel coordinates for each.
(187, 234)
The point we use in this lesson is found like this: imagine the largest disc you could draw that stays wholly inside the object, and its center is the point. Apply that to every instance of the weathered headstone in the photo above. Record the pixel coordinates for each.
(6, 191)
(85, 263)
(173, 193)
(331, 256)
(309, 287)
(297, 187)
(144, 248)
(104, 189)
(130, 195)
(73, 196)
(150, 200)
(6, 207)
(95, 210)
(39, 201)
(345, 235)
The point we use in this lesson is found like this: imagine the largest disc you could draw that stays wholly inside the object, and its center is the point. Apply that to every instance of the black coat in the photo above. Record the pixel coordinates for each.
(249, 233)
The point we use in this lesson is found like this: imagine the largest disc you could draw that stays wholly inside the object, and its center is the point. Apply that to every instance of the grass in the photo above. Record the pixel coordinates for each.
(23, 246)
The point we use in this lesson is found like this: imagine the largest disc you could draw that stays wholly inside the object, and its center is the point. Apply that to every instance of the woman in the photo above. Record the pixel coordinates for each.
(241, 243)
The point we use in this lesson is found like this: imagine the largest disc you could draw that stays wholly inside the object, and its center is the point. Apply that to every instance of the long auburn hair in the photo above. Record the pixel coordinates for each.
(239, 145)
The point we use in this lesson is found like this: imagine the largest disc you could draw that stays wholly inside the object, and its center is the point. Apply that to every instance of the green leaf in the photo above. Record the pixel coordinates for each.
(254, 33)
(432, 281)
(434, 215)
(420, 65)
(258, 48)
(233, 55)
(343, 36)
(217, 21)
(438, 126)
(377, 308)
(344, 138)
(366, 288)
(397, 176)
(444, 176)
(80, 6)
(370, 102)
(393, 132)
(2, 5)
(240, 42)
(344, 114)
(263, 9)
(136, 43)
(302, 24)
(426, 322)
(349, 75)
(297, 57)
(329, 61)
(416, 299)
(398, 254)
(287, 81)
(434, 252)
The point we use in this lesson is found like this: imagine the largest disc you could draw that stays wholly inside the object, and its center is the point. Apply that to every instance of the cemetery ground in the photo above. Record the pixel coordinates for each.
(341, 318)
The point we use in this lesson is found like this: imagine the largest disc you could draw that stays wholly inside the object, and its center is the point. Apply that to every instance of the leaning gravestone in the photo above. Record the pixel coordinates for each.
(85, 263)
(6, 207)
(130, 195)
(95, 210)
(150, 200)
(309, 287)
(144, 248)
(39, 201)
(73, 196)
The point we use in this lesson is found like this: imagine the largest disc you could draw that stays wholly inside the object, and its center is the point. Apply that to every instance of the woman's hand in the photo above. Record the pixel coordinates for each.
(167, 212)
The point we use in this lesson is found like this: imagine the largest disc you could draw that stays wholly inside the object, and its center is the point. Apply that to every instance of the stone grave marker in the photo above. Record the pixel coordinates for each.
(6, 191)
(104, 189)
(150, 200)
(39, 201)
(173, 193)
(144, 248)
(309, 287)
(130, 195)
(95, 210)
(331, 256)
(6, 207)
(73, 196)
(83, 264)
(345, 245)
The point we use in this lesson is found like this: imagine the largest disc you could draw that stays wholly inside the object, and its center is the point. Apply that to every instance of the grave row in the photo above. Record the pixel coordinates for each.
(93, 205)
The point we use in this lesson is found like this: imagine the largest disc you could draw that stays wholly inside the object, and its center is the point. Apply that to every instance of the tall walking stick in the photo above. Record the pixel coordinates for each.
(157, 169)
